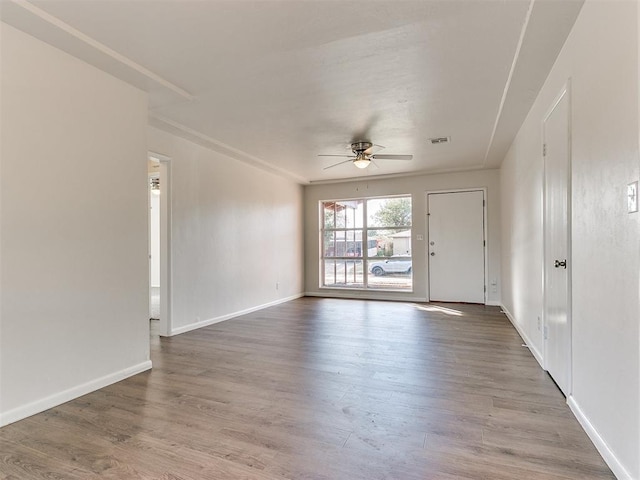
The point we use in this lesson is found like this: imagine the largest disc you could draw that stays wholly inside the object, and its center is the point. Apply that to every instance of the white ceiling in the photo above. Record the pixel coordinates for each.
(275, 83)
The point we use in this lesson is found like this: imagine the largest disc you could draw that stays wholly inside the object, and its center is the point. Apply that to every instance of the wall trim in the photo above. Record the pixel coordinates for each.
(609, 457)
(530, 345)
(72, 393)
(229, 316)
(354, 296)
(365, 296)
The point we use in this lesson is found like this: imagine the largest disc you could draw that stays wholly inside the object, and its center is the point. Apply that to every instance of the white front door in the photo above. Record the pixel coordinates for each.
(456, 246)
(557, 331)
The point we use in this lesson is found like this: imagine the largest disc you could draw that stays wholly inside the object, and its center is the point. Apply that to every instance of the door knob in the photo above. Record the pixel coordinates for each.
(559, 264)
(433, 254)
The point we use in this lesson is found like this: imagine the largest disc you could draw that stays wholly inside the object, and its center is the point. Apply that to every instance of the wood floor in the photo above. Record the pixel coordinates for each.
(320, 389)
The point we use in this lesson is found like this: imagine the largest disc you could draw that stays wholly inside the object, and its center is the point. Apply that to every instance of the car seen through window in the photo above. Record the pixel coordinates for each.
(394, 264)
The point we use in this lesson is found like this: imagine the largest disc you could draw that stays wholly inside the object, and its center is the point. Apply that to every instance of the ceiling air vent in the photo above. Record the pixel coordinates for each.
(439, 140)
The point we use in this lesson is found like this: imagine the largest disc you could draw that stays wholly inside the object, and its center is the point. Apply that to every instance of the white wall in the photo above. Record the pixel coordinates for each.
(73, 228)
(417, 186)
(236, 234)
(601, 58)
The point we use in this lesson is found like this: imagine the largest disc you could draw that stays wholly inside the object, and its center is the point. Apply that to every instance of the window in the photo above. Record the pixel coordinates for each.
(366, 243)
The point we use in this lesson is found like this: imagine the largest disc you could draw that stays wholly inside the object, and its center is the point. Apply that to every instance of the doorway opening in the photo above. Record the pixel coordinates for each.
(159, 240)
(154, 245)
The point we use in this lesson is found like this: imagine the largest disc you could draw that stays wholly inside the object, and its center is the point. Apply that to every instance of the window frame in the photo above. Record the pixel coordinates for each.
(364, 257)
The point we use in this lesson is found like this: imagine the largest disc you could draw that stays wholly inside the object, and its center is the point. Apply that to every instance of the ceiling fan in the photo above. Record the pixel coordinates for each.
(363, 155)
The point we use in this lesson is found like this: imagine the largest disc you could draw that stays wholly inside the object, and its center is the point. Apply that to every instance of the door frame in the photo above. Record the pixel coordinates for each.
(546, 262)
(484, 191)
(166, 278)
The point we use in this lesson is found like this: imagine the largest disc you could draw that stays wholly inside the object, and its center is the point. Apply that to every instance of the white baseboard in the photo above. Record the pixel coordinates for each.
(59, 398)
(365, 296)
(609, 457)
(387, 296)
(229, 316)
(534, 351)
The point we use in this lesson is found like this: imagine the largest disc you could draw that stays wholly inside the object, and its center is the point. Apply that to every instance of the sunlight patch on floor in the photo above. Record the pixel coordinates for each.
(440, 309)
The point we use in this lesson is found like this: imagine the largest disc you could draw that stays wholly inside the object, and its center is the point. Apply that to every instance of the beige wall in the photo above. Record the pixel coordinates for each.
(73, 228)
(236, 236)
(417, 186)
(601, 59)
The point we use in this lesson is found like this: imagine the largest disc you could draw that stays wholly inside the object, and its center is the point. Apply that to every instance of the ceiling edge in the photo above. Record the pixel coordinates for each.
(507, 84)
(442, 171)
(547, 17)
(175, 128)
(100, 48)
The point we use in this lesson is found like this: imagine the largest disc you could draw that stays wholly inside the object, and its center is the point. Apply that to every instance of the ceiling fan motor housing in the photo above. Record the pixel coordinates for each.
(360, 147)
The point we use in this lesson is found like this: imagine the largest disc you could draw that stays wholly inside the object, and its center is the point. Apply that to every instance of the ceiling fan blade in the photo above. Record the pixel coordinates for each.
(345, 156)
(336, 164)
(373, 148)
(374, 164)
(392, 157)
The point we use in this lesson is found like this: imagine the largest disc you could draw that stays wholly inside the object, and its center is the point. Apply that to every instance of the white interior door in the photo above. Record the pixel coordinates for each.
(456, 246)
(557, 318)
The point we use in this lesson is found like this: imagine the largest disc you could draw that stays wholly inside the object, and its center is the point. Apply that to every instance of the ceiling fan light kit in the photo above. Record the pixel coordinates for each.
(362, 162)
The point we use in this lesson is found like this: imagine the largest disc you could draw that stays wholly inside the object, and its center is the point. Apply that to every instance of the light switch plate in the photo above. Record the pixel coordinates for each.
(632, 197)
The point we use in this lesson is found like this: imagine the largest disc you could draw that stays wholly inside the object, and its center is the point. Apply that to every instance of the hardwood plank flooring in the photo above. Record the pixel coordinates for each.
(320, 389)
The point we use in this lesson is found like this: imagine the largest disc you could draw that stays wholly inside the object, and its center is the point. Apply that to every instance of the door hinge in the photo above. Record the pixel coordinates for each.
(484, 243)
(484, 203)
(544, 149)
(545, 331)
(485, 289)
